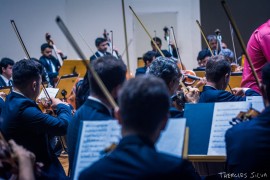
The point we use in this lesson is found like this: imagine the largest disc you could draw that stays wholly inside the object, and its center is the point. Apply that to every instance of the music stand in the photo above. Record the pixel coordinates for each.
(6, 89)
(73, 67)
(65, 85)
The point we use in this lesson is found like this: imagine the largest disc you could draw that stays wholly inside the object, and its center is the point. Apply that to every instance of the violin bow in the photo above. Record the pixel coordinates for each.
(27, 55)
(88, 45)
(240, 39)
(90, 69)
(176, 46)
(203, 35)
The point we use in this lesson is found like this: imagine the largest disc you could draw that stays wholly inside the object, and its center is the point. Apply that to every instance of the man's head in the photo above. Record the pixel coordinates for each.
(148, 57)
(6, 65)
(203, 57)
(27, 77)
(144, 104)
(218, 70)
(166, 69)
(101, 44)
(111, 71)
(212, 40)
(46, 50)
(158, 42)
(265, 86)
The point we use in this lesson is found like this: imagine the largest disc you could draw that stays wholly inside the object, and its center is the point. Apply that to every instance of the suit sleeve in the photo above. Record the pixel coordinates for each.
(227, 97)
(41, 122)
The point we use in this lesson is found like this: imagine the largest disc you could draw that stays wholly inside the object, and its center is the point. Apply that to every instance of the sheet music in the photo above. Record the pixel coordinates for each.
(98, 135)
(171, 140)
(51, 91)
(95, 137)
(257, 102)
(223, 113)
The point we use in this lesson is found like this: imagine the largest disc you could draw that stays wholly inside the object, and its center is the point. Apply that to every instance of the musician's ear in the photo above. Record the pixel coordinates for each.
(34, 85)
(117, 115)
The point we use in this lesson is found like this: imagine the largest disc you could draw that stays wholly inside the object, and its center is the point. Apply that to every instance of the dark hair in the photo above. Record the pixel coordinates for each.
(144, 102)
(44, 46)
(25, 71)
(111, 71)
(156, 39)
(217, 67)
(5, 62)
(148, 56)
(45, 78)
(99, 40)
(165, 53)
(266, 78)
(165, 68)
(203, 53)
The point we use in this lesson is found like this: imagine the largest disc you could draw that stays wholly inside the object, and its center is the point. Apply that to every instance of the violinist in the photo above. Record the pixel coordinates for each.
(247, 143)
(167, 69)
(159, 44)
(112, 72)
(51, 64)
(148, 57)
(6, 72)
(202, 59)
(24, 122)
(102, 47)
(218, 70)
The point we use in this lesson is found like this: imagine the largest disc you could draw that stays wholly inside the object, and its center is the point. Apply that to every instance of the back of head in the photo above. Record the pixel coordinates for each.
(216, 68)
(99, 40)
(111, 71)
(44, 46)
(166, 69)
(148, 56)
(144, 103)
(211, 38)
(266, 79)
(25, 71)
(5, 62)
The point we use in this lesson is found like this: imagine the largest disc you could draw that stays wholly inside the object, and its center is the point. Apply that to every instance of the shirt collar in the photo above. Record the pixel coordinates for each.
(97, 100)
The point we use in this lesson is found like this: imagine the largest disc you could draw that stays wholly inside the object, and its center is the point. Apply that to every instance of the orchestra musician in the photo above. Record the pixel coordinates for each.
(6, 72)
(167, 69)
(202, 59)
(247, 144)
(148, 57)
(24, 122)
(51, 64)
(218, 70)
(143, 113)
(258, 48)
(112, 72)
(159, 44)
(102, 46)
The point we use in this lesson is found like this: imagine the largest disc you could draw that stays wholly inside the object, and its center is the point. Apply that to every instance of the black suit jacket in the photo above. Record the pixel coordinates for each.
(136, 158)
(210, 94)
(2, 82)
(28, 126)
(93, 57)
(248, 146)
(48, 67)
(90, 110)
(141, 70)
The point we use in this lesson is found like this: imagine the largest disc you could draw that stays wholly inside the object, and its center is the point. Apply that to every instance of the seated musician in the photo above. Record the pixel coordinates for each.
(102, 47)
(202, 59)
(6, 72)
(24, 122)
(218, 70)
(112, 72)
(247, 143)
(144, 103)
(50, 63)
(165, 52)
(148, 57)
(167, 69)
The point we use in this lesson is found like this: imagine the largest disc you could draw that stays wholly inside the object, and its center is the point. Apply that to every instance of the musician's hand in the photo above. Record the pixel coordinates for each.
(193, 95)
(56, 101)
(202, 82)
(2, 95)
(238, 91)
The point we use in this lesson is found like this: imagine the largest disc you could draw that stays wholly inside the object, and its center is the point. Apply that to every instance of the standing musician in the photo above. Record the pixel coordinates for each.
(112, 72)
(143, 113)
(50, 63)
(258, 48)
(24, 122)
(218, 71)
(102, 46)
(247, 143)
(148, 57)
(164, 51)
(6, 72)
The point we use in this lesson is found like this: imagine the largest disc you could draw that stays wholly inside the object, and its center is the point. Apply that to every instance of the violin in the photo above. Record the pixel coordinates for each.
(245, 116)
(189, 77)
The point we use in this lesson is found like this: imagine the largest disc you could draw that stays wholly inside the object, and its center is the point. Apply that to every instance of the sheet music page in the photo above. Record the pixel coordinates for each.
(223, 113)
(51, 91)
(257, 102)
(95, 137)
(171, 140)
